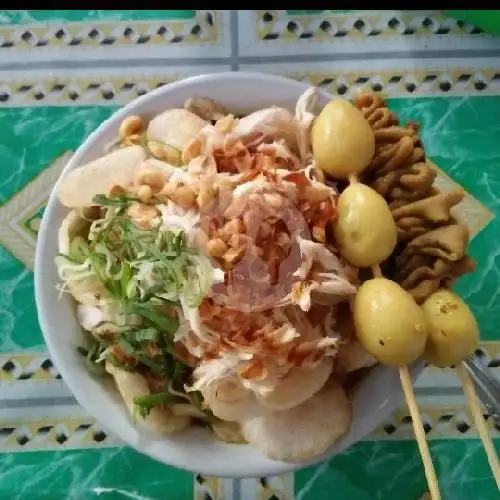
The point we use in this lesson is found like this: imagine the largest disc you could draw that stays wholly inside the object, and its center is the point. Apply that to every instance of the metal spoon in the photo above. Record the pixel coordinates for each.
(487, 386)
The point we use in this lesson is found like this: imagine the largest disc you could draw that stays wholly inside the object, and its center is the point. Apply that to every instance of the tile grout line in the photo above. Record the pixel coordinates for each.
(32, 402)
(235, 60)
(236, 490)
(38, 402)
(234, 39)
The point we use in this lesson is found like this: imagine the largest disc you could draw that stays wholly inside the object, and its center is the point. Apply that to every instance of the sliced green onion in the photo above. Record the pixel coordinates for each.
(143, 335)
(113, 201)
(79, 249)
(115, 362)
(90, 357)
(154, 318)
(155, 366)
(144, 404)
(126, 346)
(126, 277)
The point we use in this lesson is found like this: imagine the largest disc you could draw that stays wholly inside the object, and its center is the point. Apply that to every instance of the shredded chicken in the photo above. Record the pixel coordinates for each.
(264, 226)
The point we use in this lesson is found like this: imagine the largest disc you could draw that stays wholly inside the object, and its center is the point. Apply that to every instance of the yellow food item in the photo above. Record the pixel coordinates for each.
(304, 431)
(174, 129)
(79, 186)
(343, 142)
(365, 230)
(228, 432)
(298, 386)
(389, 324)
(453, 331)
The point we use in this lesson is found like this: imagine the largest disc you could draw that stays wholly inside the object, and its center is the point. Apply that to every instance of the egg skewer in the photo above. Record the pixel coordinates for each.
(389, 295)
(413, 325)
(453, 336)
(343, 144)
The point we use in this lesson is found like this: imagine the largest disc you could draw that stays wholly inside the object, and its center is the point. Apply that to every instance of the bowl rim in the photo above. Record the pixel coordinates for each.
(71, 378)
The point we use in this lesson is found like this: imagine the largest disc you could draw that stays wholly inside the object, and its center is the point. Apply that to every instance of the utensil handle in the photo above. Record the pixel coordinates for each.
(487, 386)
(477, 416)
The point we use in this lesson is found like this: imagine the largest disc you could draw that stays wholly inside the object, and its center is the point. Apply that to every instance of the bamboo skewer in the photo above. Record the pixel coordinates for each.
(472, 403)
(474, 407)
(418, 427)
(477, 416)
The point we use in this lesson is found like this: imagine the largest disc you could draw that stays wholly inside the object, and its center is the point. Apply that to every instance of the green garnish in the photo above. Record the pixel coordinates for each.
(144, 335)
(146, 274)
(152, 317)
(91, 356)
(144, 142)
(116, 362)
(144, 404)
(126, 346)
(196, 399)
(119, 200)
(140, 267)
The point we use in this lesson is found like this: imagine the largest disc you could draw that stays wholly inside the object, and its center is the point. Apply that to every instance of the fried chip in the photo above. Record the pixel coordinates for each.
(230, 401)
(298, 386)
(79, 186)
(305, 431)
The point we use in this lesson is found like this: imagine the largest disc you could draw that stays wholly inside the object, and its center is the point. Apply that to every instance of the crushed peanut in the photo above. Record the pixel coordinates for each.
(184, 196)
(155, 180)
(205, 196)
(225, 124)
(116, 191)
(181, 195)
(192, 150)
(216, 248)
(131, 140)
(130, 126)
(144, 192)
(234, 254)
(230, 228)
(238, 240)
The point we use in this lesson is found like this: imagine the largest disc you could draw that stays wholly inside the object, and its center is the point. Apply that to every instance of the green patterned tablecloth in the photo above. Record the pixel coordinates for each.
(63, 72)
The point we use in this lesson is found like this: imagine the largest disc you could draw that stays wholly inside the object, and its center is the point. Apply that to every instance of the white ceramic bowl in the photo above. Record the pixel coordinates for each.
(375, 397)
